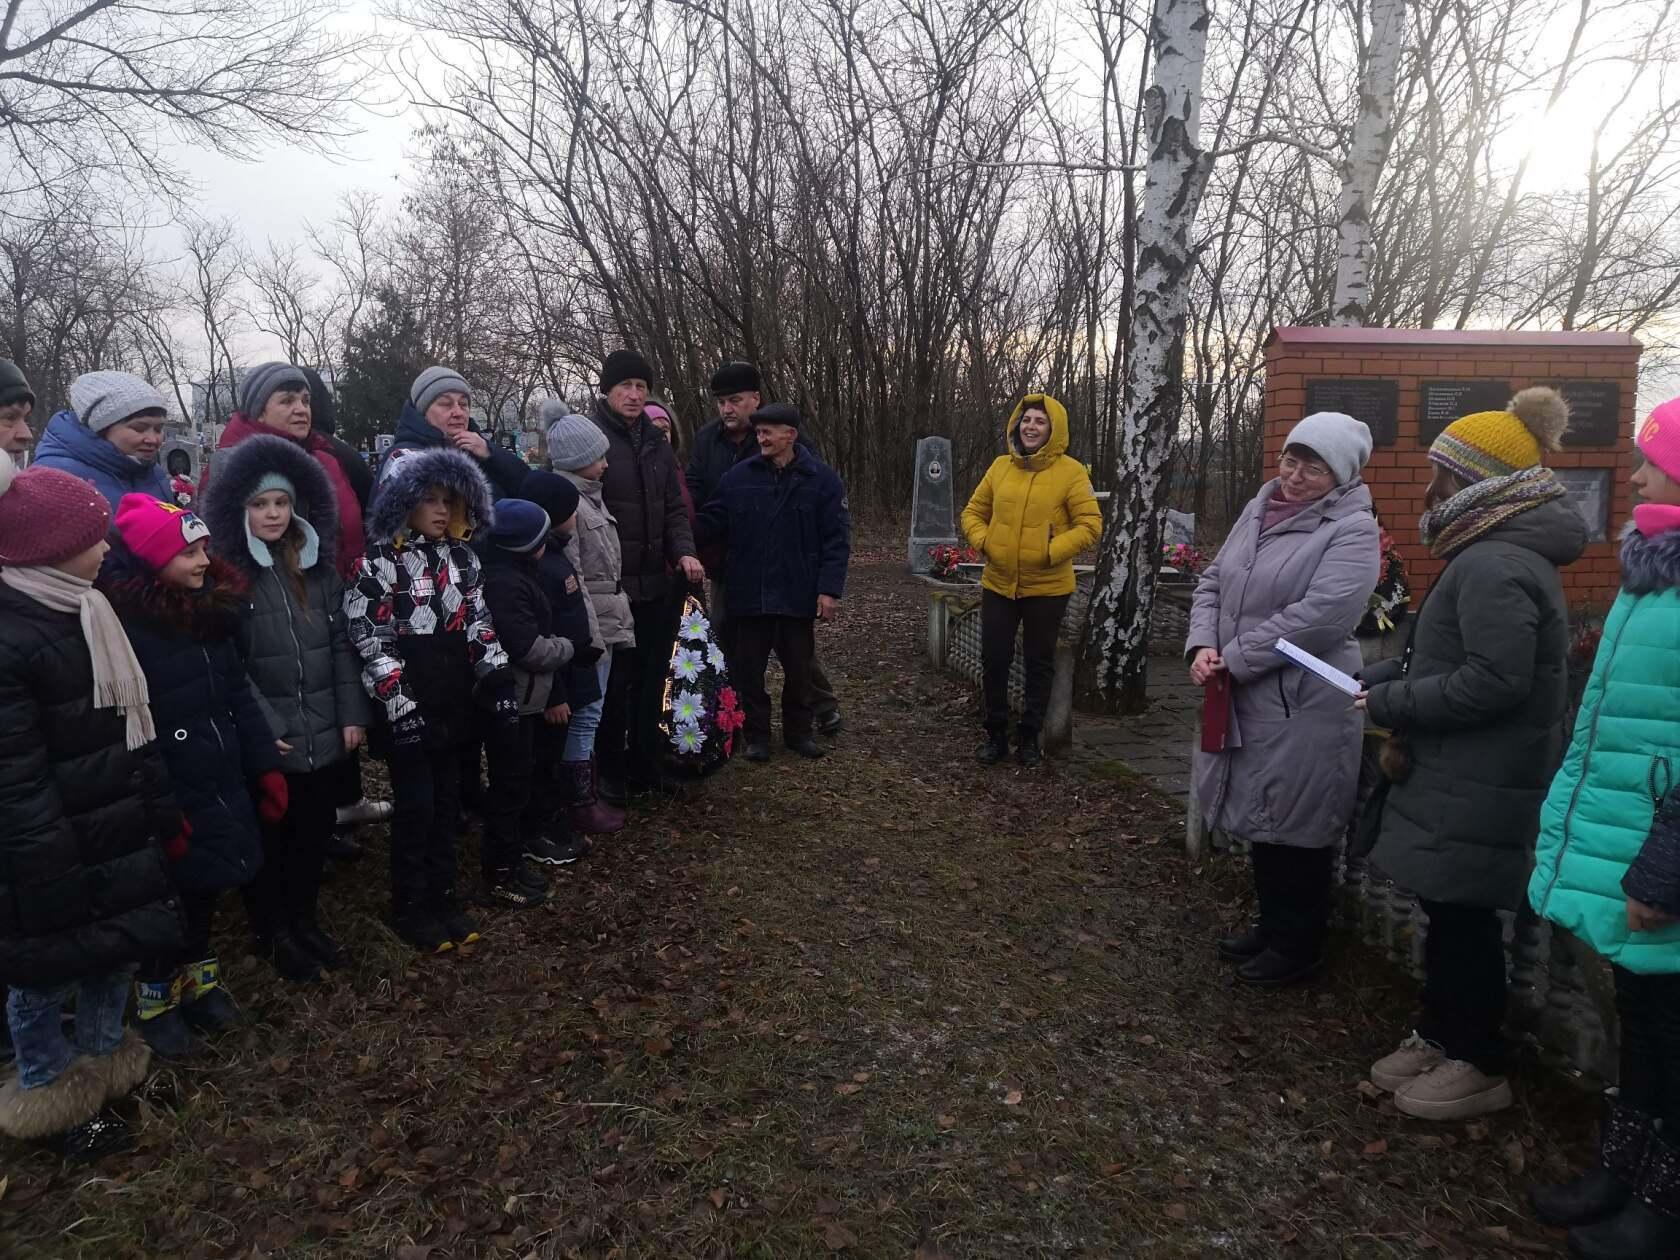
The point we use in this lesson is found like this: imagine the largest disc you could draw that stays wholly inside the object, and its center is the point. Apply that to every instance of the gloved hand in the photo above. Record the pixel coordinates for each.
(408, 730)
(273, 796)
(176, 847)
(498, 695)
(586, 654)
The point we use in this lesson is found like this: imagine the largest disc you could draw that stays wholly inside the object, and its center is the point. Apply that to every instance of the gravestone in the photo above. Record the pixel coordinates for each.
(933, 508)
(1178, 528)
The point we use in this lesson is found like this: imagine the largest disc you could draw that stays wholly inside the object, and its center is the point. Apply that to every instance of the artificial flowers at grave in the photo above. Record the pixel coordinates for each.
(701, 710)
(1388, 604)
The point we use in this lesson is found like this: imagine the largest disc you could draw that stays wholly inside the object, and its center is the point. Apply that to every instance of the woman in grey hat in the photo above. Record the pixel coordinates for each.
(112, 437)
(1299, 564)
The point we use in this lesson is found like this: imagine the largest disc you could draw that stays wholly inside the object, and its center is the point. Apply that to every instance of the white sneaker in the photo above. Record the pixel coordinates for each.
(365, 811)
(1414, 1057)
(1456, 1090)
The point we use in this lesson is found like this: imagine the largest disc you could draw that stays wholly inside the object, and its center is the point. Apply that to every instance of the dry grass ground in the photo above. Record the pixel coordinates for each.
(888, 1004)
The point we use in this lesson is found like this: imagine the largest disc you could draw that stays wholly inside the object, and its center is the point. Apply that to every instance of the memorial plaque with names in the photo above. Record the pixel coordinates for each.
(1595, 412)
(1589, 491)
(1375, 400)
(1442, 402)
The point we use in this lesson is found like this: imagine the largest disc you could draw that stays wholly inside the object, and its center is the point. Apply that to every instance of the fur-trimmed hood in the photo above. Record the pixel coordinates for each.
(403, 484)
(1650, 564)
(209, 615)
(238, 471)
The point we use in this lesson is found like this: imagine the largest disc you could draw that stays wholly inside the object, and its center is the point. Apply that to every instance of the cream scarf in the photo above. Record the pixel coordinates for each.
(118, 680)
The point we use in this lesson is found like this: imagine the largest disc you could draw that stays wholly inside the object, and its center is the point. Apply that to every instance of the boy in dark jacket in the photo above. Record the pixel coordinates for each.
(564, 772)
(85, 809)
(789, 534)
(181, 608)
(429, 652)
(524, 818)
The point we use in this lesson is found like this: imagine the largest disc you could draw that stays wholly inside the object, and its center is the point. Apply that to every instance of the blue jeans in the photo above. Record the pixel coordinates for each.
(580, 734)
(35, 1017)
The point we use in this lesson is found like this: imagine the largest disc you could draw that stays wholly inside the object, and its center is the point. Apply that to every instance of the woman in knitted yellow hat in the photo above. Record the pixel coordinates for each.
(1476, 705)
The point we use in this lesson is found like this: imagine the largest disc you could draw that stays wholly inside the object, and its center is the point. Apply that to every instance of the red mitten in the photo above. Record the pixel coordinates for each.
(175, 848)
(273, 796)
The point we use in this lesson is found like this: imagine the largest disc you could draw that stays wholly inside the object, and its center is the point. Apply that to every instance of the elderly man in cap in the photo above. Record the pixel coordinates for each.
(718, 447)
(783, 517)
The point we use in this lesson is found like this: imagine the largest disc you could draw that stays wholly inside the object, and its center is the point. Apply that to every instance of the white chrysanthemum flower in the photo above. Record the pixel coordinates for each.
(687, 739)
(686, 664)
(694, 625)
(688, 708)
(714, 657)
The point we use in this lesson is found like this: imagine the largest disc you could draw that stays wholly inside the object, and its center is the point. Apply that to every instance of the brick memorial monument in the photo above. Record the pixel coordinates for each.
(1408, 384)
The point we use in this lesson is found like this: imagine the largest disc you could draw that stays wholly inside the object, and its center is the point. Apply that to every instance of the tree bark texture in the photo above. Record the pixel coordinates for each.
(1373, 131)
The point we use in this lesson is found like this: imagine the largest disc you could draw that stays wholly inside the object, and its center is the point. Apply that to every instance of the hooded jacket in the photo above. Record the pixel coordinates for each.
(83, 884)
(1290, 769)
(789, 534)
(69, 445)
(596, 555)
(502, 468)
(643, 491)
(1481, 709)
(351, 539)
(1032, 514)
(296, 650)
(214, 736)
(416, 609)
(538, 651)
(1610, 825)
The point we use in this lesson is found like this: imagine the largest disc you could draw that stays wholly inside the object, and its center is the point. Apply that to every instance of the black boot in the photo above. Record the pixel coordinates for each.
(1270, 969)
(805, 746)
(610, 787)
(1028, 751)
(1648, 1226)
(1242, 947)
(995, 749)
(325, 950)
(1604, 1189)
(341, 846)
(105, 1134)
(293, 959)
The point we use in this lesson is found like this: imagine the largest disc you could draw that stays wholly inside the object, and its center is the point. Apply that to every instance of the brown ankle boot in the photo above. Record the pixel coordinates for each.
(589, 815)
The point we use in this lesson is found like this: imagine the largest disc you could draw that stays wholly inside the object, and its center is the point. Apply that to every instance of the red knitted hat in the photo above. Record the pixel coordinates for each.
(47, 515)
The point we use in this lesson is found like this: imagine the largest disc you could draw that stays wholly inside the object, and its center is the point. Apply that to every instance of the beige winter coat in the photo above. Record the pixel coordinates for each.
(595, 553)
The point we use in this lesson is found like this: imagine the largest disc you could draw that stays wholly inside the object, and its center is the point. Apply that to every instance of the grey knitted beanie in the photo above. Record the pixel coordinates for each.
(264, 381)
(101, 399)
(575, 442)
(434, 381)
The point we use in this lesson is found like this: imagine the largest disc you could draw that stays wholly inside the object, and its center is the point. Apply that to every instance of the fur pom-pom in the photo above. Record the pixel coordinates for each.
(1544, 413)
(8, 470)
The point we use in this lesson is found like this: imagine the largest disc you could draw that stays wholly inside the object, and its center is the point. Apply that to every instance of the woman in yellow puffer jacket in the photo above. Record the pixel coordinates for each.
(1030, 516)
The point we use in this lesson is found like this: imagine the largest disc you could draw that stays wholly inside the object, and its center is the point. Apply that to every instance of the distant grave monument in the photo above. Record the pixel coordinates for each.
(933, 508)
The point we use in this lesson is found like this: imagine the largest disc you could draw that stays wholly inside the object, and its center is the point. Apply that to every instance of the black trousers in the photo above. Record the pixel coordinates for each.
(295, 851)
(627, 743)
(425, 827)
(198, 910)
(509, 747)
(823, 696)
(1292, 885)
(1039, 619)
(545, 808)
(1464, 984)
(346, 780)
(794, 641)
(1648, 1009)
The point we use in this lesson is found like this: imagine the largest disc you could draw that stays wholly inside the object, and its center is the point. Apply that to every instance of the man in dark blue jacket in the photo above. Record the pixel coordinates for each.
(783, 515)
(727, 441)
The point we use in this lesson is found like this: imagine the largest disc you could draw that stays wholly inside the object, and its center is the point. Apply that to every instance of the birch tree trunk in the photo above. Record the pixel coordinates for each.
(1114, 659)
(1373, 130)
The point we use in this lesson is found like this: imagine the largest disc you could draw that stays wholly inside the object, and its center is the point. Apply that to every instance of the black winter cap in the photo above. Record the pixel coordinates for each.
(553, 493)
(625, 365)
(777, 413)
(737, 377)
(14, 386)
(323, 415)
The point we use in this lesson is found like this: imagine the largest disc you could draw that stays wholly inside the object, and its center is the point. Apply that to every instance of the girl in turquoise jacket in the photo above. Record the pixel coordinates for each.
(1608, 870)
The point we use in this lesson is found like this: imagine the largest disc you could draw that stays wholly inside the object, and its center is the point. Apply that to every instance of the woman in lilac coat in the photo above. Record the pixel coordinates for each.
(1299, 564)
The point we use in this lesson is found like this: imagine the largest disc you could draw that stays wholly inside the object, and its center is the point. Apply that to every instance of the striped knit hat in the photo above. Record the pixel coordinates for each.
(1498, 443)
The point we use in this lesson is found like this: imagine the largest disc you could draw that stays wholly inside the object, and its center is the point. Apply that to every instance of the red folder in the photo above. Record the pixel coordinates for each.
(1216, 712)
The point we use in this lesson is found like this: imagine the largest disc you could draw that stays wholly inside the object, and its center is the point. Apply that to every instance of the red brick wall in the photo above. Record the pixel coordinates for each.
(1398, 473)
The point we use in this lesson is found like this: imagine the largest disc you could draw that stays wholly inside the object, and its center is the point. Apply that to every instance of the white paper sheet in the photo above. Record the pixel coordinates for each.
(1346, 683)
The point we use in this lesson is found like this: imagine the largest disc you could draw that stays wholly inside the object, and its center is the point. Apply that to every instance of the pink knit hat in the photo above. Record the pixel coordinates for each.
(1659, 438)
(47, 515)
(155, 531)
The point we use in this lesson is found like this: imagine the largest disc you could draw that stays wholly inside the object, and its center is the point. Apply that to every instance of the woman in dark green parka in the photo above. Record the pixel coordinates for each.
(1476, 706)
